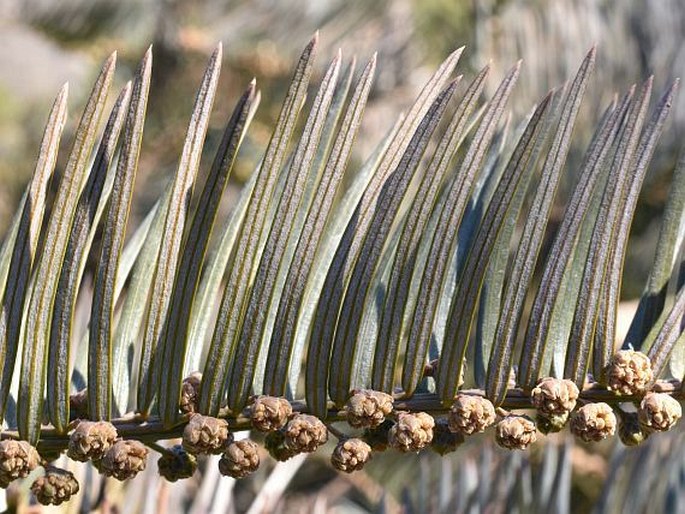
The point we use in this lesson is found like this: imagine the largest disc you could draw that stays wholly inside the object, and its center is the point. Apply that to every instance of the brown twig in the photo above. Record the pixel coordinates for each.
(152, 429)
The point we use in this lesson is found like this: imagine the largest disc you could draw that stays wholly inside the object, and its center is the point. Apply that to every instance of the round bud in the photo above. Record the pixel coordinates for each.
(412, 432)
(350, 455)
(55, 487)
(269, 413)
(91, 440)
(593, 422)
(190, 393)
(368, 409)
(471, 414)
(305, 433)
(176, 464)
(17, 460)
(240, 459)
(554, 396)
(659, 412)
(629, 372)
(206, 435)
(516, 432)
(124, 460)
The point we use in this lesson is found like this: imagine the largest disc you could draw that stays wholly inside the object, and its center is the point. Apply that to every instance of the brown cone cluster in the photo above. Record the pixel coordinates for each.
(206, 435)
(350, 455)
(240, 459)
(471, 414)
(176, 464)
(124, 460)
(444, 440)
(305, 433)
(269, 413)
(629, 373)
(368, 409)
(516, 432)
(91, 440)
(554, 396)
(55, 487)
(17, 460)
(289, 434)
(190, 393)
(593, 422)
(412, 432)
(659, 412)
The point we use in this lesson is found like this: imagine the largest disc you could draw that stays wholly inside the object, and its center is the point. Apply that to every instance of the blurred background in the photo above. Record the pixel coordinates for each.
(44, 43)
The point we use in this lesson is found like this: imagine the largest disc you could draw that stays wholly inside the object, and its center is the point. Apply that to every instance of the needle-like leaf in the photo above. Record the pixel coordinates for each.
(102, 312)
(249, 339)
(204, 305)
(283, 334)
(540, 325)
(585, 315)
(88, 211)
(676, 362)
(605, 339)
(133, 249)
(654, 296)
(496, 229)
(39, 306)
(442, 242)
(387, 205)
(666, 333)
(249, 238)
(481, 191)
(9, 241)
(334, 231)
(490, 300)
(23, 250)
(342, 211)
(402, 268)
(220, 256)
(311, 187)
(134, 253)
(203, 309)
(152, 364)
(339, 272)
(531, 241)
(194, 250)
